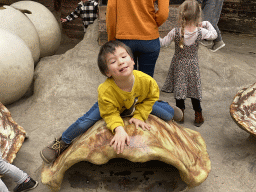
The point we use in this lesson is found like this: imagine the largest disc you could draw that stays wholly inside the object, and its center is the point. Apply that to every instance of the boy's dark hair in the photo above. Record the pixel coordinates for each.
(110, 47)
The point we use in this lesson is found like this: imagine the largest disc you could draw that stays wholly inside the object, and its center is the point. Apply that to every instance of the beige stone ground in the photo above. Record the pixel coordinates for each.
(66, 87)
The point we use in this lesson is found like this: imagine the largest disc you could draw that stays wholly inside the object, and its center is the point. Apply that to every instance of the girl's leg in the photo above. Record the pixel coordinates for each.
(82, 124)
(180, 103)
(12, 171)
(163, 110)
(199, 119)
(196, 104)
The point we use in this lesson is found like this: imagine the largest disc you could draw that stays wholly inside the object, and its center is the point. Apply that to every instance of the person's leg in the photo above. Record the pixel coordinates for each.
(51, 152)
(148, 54)
(163, 110)
(82, 124)
(12, 171)
(3, 187)
(180, 103)
(211, 12)
(23, 180)
(199, 119)
(196, 104)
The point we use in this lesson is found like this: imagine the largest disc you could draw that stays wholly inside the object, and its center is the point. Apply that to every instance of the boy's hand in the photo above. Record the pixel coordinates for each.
(119, 140)
(63, 20)
(139, 123)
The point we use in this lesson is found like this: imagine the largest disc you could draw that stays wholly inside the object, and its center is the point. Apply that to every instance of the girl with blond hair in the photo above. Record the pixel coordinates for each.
(183, 77)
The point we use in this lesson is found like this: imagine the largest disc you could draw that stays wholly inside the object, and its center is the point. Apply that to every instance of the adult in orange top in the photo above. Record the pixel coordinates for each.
(135, 23)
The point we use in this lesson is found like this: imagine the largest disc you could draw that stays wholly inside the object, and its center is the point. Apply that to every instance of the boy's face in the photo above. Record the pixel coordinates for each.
(120, 64)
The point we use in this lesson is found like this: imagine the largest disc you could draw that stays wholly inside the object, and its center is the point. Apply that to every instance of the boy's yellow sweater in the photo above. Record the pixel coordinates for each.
(114, 102)
(135, 19)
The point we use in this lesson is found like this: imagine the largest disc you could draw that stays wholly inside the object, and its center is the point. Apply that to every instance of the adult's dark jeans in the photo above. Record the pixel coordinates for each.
(145, 53)
(195, 103)
(211, 12)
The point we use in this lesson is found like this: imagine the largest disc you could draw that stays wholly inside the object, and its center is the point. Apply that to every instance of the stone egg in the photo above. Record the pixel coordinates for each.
(46, 25)
(14, 21)
(16, 67)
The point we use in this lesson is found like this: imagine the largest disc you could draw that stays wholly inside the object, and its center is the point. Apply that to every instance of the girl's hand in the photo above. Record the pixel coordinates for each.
(63, 20)
(139, 123)
(120, 139)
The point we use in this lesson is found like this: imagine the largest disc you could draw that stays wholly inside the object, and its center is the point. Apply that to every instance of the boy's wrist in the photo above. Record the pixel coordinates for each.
(118, 129)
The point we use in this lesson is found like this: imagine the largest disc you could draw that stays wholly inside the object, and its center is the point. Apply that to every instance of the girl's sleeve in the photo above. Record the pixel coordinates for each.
(167, 39)
(74, 14)
(163, 12)
(111, 19)
(143, 109)
(208, 31)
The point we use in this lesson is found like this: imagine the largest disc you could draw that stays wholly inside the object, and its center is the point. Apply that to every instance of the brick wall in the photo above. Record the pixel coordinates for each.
(238, 16)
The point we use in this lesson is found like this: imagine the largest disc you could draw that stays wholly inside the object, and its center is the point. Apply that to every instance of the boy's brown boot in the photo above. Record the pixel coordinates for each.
(182, 120)
(50, 153)
(178, 114)
(199, 119)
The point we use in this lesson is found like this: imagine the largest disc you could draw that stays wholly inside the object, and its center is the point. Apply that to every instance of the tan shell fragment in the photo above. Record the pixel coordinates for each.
(12, 135)
(243, 109)
(183, 148)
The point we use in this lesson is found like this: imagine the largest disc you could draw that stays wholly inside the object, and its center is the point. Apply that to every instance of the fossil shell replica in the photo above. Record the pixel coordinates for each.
(12, 135)
(243, 109)
(183, 148)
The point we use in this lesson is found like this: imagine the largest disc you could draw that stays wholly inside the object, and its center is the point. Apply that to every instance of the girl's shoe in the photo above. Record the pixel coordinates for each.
(199, 119)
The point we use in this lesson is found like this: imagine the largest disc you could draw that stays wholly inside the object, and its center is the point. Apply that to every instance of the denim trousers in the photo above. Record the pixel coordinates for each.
(145, 54)
(211, 12)
(12, 171)
(160, 109)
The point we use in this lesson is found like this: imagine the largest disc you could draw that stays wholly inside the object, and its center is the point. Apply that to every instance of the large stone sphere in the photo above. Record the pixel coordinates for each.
(16, 67)
(14, 21)
(46, 25)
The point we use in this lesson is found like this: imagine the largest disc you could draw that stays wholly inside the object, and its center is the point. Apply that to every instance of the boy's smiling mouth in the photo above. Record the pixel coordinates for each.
(121, 70)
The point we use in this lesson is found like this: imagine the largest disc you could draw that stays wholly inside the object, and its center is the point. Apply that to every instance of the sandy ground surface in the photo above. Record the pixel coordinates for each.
(231, 150)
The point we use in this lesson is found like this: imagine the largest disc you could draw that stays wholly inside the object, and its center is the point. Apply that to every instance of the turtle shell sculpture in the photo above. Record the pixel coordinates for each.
(12, 135)
(243, 109)
(170, 143)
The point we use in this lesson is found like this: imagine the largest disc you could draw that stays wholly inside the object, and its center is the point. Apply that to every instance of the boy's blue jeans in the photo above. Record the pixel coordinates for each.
(12, 171)
(211, 12)
(160, 109)
(145, 53)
